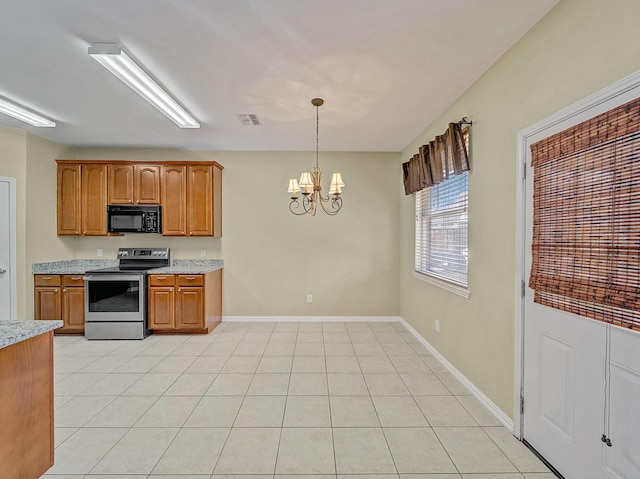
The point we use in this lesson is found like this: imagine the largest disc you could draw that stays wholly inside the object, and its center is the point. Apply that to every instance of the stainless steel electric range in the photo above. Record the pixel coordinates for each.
(116, 297)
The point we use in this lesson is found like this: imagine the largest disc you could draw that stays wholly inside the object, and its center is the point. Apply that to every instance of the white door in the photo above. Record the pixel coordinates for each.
(7, 249)
(564, 367)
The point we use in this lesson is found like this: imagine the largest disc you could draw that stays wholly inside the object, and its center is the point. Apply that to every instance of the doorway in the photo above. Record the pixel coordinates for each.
(8, 249)
(575, 378)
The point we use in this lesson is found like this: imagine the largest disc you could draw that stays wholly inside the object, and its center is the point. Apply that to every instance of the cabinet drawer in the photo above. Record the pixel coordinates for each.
(161, 280)
(72, 280)
(47, 280)
(190, 280)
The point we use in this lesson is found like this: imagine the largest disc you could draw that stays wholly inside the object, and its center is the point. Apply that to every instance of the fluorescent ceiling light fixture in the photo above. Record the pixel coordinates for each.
(22, 114)
(115, 59)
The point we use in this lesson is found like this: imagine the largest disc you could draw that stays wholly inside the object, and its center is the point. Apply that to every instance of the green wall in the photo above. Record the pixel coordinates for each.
(579, 47)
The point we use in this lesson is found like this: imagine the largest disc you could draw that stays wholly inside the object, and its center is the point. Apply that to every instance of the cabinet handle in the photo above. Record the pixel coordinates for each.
(75, 278)
(47, 278)
(190, 278)
(161, 277)
(64, 290)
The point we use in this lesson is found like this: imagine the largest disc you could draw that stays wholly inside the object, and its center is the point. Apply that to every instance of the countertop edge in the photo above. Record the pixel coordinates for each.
(80, 266)
(12, 332)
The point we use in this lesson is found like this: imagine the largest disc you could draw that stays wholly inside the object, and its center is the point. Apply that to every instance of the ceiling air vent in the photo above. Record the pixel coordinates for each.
(249, 119)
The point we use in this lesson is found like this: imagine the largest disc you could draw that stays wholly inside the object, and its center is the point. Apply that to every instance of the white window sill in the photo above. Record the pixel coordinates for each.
(451, 287)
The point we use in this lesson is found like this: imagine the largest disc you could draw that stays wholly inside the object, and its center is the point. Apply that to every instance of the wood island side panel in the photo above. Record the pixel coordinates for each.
(26, 408)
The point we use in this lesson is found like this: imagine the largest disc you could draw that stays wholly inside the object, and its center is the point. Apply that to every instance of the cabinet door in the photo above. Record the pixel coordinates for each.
(174, 197)
(68, 201)
(94, 200)
(147, 185)
(161, 308)
(120, 184)
(199, 200)
(190, 308)
(73, 310)
(47, 303)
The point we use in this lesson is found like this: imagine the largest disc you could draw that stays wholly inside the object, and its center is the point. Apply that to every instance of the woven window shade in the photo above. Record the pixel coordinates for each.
(586, 218)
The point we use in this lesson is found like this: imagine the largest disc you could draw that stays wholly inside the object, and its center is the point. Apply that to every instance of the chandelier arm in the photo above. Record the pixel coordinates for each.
(294, 205)
(309, 204)
(334, 207)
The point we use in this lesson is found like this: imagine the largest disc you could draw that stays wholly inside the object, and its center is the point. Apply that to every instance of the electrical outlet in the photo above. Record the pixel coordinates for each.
(203, 253)
(309, 298)
(99, 252)
(437, 326)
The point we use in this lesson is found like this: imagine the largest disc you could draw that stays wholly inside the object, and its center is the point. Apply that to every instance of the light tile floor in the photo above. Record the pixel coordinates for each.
(277, 400)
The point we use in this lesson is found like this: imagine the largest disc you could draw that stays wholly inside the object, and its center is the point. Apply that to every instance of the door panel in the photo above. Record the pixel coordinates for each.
(622, 460)
(7, 249)
(557, 389)
(563, 377)
(564, 359)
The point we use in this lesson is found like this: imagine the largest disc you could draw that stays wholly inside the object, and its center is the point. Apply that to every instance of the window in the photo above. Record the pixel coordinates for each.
(441, 231)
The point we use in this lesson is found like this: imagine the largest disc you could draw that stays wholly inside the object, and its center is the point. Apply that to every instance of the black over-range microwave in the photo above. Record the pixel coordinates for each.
(134, 219)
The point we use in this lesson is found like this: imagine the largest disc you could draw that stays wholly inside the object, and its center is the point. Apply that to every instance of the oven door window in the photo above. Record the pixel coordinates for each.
(115, 296)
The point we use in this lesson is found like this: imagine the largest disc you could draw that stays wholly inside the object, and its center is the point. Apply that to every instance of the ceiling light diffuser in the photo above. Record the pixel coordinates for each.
(115, 59)
(20, 113)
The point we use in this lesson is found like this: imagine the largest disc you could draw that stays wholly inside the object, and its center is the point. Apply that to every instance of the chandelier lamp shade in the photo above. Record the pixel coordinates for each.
(310, 186)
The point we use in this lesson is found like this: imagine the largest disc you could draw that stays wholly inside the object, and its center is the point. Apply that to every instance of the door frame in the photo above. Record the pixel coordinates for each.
(569, 115)
(13, 294)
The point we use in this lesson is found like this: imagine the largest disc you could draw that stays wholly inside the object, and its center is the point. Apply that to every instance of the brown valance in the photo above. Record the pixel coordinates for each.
(445, 155)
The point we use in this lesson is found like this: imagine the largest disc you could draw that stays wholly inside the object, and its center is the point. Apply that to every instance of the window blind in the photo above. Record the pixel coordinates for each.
(442, 229)
(586, 218)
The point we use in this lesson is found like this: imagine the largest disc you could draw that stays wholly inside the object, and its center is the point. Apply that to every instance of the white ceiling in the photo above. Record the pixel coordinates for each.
(386, 68)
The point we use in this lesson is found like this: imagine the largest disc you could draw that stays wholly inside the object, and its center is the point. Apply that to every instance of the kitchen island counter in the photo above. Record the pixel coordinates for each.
(12, 332)
(26, 402)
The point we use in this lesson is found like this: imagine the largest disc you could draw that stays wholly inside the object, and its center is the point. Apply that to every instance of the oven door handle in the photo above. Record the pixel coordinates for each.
(113, 277)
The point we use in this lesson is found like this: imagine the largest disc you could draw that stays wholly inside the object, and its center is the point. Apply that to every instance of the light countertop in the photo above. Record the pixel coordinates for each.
(80, 266)
(12, 332)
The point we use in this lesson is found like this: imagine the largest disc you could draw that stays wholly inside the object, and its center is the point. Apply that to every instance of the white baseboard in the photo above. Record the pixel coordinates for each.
(375, 319)
(477, 393)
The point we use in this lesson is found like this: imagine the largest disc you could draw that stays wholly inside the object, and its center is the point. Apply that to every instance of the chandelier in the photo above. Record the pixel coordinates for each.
(309, 186)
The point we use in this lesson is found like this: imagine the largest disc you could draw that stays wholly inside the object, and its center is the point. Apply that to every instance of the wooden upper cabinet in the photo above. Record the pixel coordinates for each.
(68, 201)
(189, 192)
(94, 199)
(133, 184)
(174, 200)
(120, 182)
(147, 185)
(199, 200)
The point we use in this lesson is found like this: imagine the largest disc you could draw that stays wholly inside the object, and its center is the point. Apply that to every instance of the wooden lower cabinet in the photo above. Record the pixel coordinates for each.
(60, 296)
(189, 303)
